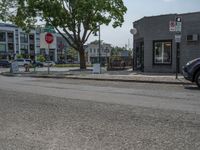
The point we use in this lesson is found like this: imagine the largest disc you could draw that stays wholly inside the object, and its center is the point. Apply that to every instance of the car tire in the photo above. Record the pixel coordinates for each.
(197, 79)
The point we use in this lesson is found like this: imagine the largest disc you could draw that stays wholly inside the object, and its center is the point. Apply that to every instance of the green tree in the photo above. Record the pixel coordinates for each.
(72, 53)
(41, 58)
(19, 56)
(6, 9)
(78, 19)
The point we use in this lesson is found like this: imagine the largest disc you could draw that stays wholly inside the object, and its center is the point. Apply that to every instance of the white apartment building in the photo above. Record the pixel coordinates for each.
(14, 40)
(92, 52)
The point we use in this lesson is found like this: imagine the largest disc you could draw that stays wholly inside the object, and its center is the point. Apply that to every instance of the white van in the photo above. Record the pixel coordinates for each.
(22, 62)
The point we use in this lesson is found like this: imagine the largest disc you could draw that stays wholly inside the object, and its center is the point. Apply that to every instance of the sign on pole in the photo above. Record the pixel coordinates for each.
(49, 38)
(178, 38)
(178, 24)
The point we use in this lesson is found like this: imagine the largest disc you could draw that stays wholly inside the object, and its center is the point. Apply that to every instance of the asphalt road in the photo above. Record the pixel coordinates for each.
(56, 114)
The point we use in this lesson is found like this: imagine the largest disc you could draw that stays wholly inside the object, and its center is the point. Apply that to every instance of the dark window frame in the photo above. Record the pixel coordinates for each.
(5, 40)
(171, 55)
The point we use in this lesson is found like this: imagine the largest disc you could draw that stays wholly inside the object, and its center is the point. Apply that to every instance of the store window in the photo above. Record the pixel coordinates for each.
(162, 52)
(2, 36)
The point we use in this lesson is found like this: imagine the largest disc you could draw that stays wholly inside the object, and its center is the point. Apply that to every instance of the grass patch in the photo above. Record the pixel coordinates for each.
(69, 65)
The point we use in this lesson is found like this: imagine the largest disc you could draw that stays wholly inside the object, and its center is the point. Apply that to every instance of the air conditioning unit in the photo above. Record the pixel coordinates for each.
(192, 37)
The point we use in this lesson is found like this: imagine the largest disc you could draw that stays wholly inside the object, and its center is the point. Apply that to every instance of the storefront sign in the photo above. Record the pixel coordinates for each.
(172, 26)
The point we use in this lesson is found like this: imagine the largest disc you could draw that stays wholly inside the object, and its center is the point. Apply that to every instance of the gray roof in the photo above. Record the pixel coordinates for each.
(162, 15)
(7, 25)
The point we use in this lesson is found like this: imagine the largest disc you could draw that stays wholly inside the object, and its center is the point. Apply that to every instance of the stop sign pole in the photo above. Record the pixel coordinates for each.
(49, 40)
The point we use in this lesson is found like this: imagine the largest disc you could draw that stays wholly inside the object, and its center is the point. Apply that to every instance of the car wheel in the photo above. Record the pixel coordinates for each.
(197, 79)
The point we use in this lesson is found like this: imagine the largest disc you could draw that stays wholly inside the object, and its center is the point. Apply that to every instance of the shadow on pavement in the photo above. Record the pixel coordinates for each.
(194, 87)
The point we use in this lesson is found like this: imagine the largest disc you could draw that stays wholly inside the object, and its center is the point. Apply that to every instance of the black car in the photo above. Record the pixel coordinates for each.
(191, 71)
(38, 64)
(4, 63)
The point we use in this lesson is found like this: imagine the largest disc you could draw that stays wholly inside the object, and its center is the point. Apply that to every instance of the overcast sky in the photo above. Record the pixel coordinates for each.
(140, 8)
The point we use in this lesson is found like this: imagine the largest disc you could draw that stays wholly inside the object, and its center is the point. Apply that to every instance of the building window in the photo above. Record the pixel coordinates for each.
(23, 37)
(90, 50)
(10, 37)
(2, 47)
(24, 49)
(162, 52)
(2, 36)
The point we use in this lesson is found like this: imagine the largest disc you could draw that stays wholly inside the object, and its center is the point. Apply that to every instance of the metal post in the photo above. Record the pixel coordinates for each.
(48, 60)
(177, 59)
(133, 32)
(178, 41)
(100, 47)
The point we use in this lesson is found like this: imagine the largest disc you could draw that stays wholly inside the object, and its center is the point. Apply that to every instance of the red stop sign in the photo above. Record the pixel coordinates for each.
(49, 38)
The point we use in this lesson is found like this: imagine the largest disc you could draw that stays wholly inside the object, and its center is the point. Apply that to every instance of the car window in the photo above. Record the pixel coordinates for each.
(20, 60)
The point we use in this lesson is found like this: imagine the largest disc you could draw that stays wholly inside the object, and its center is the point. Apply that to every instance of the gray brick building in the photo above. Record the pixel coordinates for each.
(155, 46)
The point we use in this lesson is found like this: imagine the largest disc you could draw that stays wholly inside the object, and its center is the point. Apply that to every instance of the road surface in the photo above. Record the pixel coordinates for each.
(60, 114)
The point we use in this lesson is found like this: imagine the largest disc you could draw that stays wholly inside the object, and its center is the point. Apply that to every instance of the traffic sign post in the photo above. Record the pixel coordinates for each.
(133, 32)
(178, 41)
(49, 40)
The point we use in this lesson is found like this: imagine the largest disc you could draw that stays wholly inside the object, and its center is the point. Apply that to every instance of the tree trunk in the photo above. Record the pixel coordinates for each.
(82, 59)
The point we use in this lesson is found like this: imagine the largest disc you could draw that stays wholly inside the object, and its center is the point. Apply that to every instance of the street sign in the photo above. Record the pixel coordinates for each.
(178, 38)
(49, 29)
(178, 24)
(172, 26)
(49, 38)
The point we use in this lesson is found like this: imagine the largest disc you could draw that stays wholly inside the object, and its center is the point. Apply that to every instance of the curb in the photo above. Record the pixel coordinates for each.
(95, 79)
(129, 80)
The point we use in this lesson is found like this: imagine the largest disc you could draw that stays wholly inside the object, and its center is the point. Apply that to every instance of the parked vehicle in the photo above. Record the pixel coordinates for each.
(4, 63)
(38, 64)
(49, 63)
(29, 60)
(22, 62)
(191, 71)
(61, 62)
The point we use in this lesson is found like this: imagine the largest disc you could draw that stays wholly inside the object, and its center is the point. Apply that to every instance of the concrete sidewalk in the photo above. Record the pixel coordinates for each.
(122, 76)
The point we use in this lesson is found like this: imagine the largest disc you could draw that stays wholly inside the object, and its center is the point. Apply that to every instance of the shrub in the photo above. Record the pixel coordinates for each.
(41, 58)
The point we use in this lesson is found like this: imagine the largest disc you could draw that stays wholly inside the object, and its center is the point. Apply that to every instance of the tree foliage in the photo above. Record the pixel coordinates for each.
(72, 53)
(78, 19)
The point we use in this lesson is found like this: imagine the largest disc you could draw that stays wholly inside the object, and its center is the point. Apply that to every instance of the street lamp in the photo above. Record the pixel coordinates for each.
(99, 51)
(133, 32)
